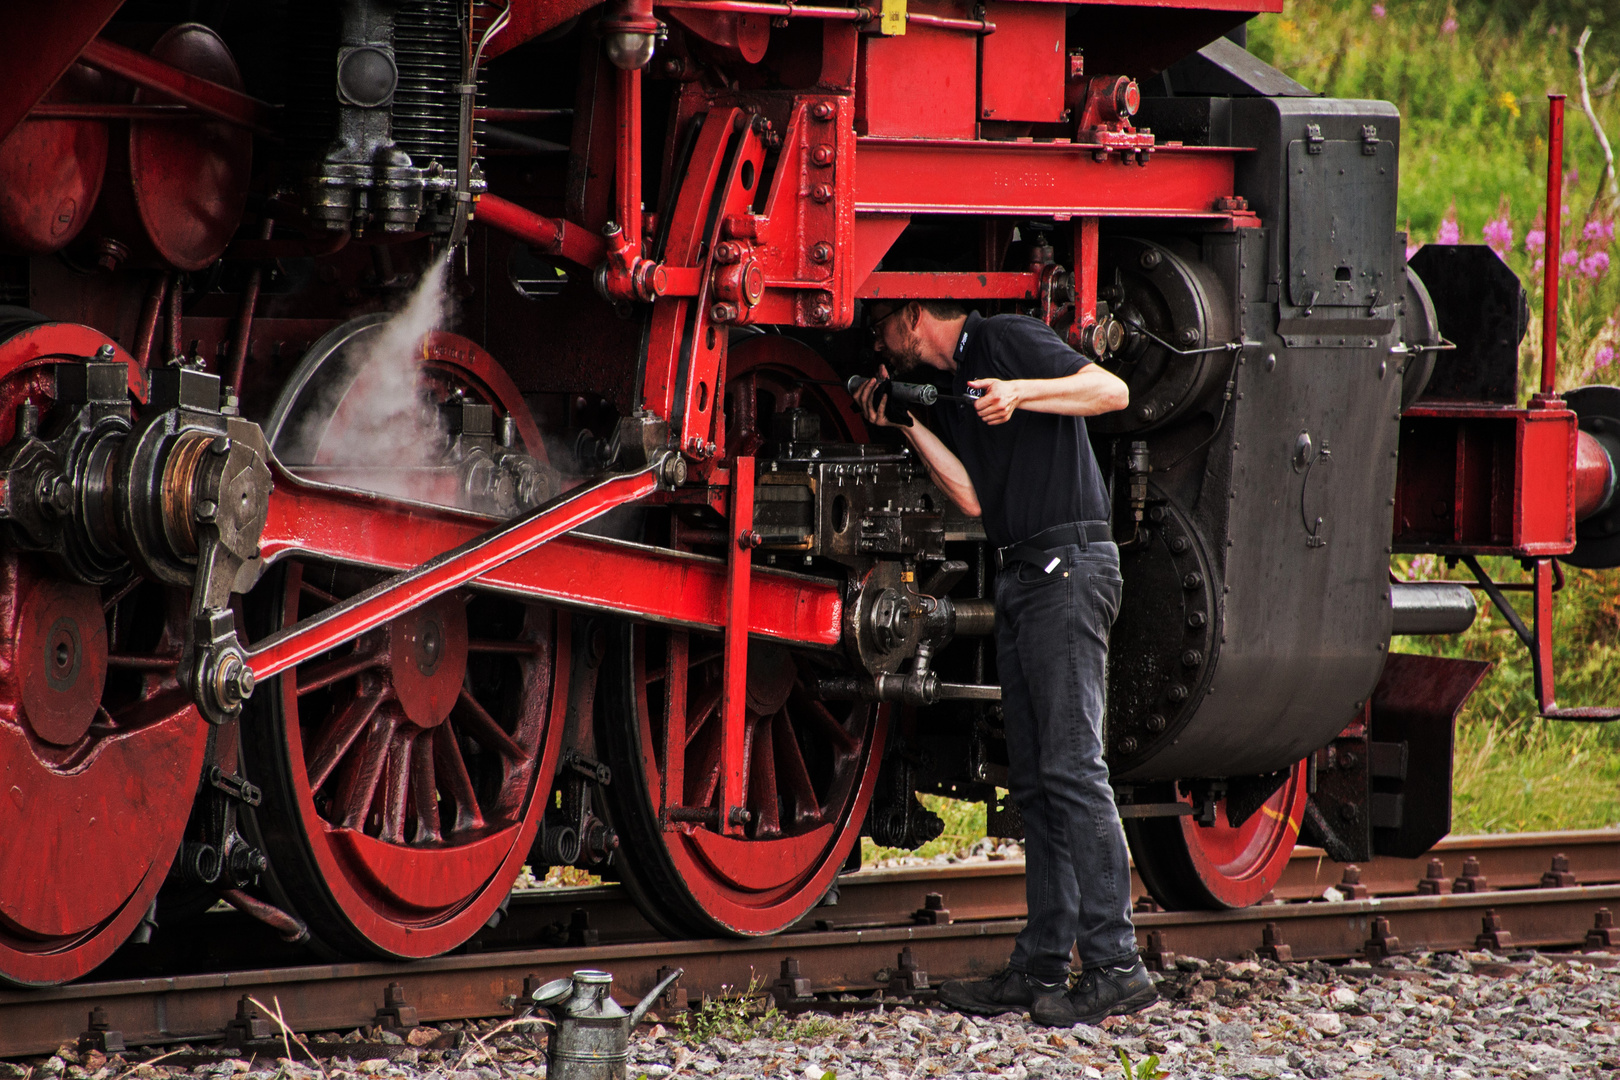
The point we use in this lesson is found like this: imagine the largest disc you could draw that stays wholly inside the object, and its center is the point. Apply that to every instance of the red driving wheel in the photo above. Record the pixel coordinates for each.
(100, 748)
(406, 773)
(1187, 866)
(809, 766)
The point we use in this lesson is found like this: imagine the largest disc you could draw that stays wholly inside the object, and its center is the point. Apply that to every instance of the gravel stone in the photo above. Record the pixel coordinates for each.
(1432, 1017)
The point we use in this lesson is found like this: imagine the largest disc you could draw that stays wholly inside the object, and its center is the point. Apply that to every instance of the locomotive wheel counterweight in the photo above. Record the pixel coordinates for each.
(406, 773)
(1189, 867)
(99, 748)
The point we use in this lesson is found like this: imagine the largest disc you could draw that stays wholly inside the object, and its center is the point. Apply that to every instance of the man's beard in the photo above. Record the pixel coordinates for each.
(906, 356)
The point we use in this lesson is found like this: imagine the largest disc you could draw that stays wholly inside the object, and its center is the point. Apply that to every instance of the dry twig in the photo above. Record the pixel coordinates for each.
(1608, 178)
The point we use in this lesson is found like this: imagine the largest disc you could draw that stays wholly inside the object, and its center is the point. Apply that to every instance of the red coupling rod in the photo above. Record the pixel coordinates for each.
(1554, 248)
(552, 235)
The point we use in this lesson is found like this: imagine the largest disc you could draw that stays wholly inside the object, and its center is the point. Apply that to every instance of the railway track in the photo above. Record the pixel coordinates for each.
(1543, 890)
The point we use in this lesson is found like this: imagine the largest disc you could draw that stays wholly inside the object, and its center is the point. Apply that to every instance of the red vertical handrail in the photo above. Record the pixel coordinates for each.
(1554, 248)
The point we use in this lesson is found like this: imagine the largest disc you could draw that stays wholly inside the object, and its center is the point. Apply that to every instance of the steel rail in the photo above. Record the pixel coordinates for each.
(855, 946)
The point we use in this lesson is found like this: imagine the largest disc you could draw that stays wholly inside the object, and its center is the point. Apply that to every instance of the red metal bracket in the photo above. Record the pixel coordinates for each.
(1547, 579)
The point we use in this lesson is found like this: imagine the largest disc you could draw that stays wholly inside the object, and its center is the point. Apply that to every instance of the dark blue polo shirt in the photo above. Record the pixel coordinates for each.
(1036, 470)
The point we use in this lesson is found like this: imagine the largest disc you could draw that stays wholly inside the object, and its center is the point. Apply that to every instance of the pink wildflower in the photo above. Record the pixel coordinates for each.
(1450, 232)
(1378, 11)
(1535, 240)
(1598, 230)
(1570, 259)
(1499, 235)
(1595, 265)
(1605, 355)
(1449, 26)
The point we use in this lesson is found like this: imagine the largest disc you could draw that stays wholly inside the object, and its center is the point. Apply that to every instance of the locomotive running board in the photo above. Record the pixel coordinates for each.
(536, 557)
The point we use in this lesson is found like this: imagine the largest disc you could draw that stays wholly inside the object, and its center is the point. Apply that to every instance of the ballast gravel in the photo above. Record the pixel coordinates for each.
(1440, 1015)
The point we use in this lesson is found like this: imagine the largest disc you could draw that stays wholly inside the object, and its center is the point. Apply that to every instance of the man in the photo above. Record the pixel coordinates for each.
(1018, 457)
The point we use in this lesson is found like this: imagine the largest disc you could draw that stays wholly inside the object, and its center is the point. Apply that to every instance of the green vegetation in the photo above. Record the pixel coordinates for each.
(740, 1015)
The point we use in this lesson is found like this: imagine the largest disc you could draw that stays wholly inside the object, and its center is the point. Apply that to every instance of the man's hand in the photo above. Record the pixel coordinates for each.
(873, 409)
(1000, 398)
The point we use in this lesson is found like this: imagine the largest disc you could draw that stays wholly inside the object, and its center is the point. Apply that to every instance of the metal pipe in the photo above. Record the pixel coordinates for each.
(551, 235)
(1431, 607)
(976, 26)
(177, 346)
(838, 14)
(290, 927)
(629, 159)
(209, 98)
(244, 321)
(1554, 248)
(751, 7)
(150, 311)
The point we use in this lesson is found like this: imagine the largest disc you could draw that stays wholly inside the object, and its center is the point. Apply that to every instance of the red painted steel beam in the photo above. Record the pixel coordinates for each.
(939, 176)
(734, 705)
(657, 584)
(551, 235)
(40, 43)
(206, 97)
(895, 285)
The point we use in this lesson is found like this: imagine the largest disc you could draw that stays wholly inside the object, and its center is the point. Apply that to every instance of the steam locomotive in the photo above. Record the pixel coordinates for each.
(426, 452)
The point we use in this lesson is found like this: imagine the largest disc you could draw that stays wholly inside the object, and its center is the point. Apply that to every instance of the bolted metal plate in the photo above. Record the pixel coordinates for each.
(1341, 251)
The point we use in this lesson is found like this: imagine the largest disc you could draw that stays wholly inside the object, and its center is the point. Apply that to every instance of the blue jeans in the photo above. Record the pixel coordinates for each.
(1051, 653)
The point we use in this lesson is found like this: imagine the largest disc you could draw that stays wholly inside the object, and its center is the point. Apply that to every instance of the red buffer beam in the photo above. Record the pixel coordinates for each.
(656, 584)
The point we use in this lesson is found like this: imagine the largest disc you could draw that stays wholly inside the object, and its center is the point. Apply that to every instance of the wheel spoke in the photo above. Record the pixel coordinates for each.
(317, 592)
(762, 790)
(142, 663)
(829, 725)
(364, 772)
(425, 792)
(706, 705)
(157, 709)
(486, 731)
(806, 806)
(339, 736)
(396, 787)
(321, 675)
(510, 648)
(447, 758)
(707, 773)
(110, 602)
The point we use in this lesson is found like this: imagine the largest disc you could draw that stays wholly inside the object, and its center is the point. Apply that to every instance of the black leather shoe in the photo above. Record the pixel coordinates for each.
(1100, 993)
(1006, 991)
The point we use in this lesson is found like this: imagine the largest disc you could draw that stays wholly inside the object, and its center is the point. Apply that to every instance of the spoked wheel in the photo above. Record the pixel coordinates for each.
(809, 766)
(405, 773)
(1188, 867)
(100, 748)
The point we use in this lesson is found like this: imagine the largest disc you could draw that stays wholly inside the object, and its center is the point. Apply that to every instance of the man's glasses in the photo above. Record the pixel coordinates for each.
(876, 328)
